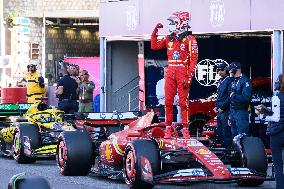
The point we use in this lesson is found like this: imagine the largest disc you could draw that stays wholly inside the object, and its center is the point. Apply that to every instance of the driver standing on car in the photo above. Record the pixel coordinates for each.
(222, 106)
(240, 98)
(182, 52)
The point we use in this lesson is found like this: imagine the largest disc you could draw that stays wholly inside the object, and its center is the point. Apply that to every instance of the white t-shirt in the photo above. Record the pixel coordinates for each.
(160, 92)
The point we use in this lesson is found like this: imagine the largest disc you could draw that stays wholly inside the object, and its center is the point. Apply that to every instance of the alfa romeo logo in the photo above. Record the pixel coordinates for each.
(206, 72)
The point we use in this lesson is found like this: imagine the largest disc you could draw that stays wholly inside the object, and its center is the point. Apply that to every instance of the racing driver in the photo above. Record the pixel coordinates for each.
(182, 52)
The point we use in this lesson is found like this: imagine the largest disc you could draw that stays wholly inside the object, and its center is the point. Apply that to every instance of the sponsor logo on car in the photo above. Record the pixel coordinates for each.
(203, 151)
(189, 172)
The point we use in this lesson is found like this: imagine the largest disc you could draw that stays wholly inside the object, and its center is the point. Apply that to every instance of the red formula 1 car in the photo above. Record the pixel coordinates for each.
(141, 155)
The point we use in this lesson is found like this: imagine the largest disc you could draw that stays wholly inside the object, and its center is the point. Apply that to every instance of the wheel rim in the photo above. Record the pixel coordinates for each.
(62, 154)
(17, 143)
(130, 166)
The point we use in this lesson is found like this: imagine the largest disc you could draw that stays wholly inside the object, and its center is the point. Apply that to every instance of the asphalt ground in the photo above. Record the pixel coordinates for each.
(48, 170)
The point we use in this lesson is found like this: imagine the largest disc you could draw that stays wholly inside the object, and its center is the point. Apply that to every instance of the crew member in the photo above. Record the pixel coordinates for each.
(86, 90)
(35, 85)
(67, 91)
(240, 98)
(182, 52)
(222, 105)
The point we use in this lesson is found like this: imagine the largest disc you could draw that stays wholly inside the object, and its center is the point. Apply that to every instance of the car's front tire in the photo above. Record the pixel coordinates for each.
(254, 158)
(25, 134)
(135, 153)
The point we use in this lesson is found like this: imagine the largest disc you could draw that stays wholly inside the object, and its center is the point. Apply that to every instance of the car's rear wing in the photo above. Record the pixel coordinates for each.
(108, 118)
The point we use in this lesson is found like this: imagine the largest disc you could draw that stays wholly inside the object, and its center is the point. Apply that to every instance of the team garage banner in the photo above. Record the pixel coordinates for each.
(92, 65)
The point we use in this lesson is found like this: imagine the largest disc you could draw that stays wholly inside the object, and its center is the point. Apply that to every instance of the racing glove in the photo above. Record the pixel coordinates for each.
(156, 29)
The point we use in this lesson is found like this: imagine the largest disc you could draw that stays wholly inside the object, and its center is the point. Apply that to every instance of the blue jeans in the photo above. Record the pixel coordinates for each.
(223, 129)
(277, 148)
(68, 106)
(239, 120)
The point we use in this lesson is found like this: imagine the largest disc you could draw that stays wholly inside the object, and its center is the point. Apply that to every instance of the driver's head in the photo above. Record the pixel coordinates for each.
(178, 22)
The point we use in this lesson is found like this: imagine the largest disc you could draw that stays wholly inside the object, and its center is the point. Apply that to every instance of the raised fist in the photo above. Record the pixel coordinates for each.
(159, 25)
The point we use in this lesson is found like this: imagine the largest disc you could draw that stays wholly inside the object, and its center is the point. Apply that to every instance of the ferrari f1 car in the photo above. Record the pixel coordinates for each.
(34, 135)
(142, 156)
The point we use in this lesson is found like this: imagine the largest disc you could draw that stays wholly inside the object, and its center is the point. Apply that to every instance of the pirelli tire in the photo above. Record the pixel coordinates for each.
(132, 163)
(24, 135)
(32, 182)
(74, 154)
(254, 158)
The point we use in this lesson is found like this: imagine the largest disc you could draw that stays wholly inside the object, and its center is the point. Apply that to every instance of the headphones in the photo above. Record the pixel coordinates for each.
(233, 71)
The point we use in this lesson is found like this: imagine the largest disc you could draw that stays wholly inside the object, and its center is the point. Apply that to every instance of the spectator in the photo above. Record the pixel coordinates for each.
(67, 89)
(35, 85)
(222, 106)
(160, 93)
(86, 90)
(275, 130)
(240, 98)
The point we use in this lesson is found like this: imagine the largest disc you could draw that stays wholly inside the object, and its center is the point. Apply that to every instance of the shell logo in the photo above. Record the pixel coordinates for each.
(170, 44)
(108, 152)
(203, 151)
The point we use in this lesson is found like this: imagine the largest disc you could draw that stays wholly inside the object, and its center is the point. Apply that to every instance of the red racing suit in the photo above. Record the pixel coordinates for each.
(182, 52)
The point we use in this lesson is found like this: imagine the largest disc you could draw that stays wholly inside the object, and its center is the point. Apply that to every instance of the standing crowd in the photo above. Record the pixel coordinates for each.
(74, 90)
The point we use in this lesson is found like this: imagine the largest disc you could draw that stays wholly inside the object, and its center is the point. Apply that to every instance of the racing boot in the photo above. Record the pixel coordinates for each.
(168, 133)
(185, 133)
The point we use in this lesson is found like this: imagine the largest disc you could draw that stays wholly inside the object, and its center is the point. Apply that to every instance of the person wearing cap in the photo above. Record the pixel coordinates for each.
(86, 90)
(67, 92)
(35, 85)
(222, 105)
(182, 52)
(240, 99)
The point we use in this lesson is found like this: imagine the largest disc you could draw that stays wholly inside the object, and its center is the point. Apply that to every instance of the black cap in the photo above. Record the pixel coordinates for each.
(234, 65)
(222, 65)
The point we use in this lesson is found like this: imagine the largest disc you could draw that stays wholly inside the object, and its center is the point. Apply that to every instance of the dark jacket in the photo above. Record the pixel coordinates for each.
(241, 90)
(223, 93)
(69, 88)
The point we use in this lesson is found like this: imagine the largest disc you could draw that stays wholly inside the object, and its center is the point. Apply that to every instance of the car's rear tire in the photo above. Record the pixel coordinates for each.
(33, 182)
(254, 158)
(133, 163)
(74, 153)
(32, 133)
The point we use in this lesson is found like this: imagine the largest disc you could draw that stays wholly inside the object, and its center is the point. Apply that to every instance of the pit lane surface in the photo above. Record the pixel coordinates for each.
(48, 170)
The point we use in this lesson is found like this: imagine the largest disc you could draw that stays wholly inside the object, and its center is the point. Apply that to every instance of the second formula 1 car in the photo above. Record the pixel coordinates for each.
(34, 135)
(142, 156)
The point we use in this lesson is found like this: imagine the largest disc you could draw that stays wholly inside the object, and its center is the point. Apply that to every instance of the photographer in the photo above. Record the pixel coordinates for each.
(275, 130)
(86, 89)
